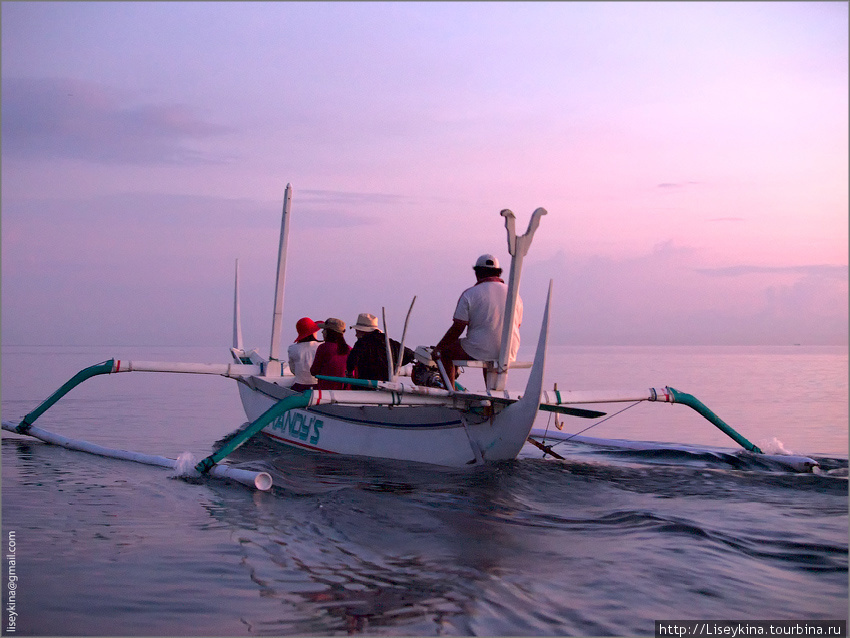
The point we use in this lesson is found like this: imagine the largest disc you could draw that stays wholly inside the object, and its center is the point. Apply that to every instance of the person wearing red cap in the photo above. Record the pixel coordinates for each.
(481, 312)
(302, 353)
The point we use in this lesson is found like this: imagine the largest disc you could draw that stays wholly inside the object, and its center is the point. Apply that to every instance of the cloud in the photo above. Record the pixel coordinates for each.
(815, 270)
(348, 198)
(662, 297)
(50, 118)
(177, 212)
(333, 209)
(676, 184)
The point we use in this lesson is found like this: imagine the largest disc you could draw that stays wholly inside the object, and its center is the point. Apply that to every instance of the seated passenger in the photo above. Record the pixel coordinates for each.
(302, 352)
(332, 355)
(368, 356)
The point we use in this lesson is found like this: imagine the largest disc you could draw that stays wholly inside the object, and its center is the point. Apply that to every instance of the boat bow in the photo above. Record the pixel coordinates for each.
(515, 421)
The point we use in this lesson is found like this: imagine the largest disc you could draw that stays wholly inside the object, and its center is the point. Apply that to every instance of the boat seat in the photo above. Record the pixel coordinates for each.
(490, 369)
(490, 365)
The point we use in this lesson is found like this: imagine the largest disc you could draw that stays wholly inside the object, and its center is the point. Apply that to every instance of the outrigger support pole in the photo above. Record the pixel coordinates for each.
(230, 370)
(284, 405)
(107, 367)
(692, 402)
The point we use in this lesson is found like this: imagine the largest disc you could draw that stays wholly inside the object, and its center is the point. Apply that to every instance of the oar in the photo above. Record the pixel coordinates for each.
(284, 405)
(579, 412)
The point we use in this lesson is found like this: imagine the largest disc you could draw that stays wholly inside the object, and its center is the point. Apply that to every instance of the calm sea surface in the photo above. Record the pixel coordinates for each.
(602, 543)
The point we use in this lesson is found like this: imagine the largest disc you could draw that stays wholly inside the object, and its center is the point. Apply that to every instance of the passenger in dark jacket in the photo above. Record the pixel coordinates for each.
(368, 356)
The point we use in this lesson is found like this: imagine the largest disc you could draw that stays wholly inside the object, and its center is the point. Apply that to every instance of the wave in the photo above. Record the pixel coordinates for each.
(565, 444)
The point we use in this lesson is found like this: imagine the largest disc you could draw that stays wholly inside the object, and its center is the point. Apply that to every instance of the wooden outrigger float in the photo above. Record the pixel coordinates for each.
(394, 419)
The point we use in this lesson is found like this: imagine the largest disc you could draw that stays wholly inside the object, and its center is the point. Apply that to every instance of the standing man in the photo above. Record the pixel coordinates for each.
(481, 312)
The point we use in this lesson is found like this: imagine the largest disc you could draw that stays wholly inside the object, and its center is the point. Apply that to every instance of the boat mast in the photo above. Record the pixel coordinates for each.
(274, 367)
(518, 248)
(237, 313)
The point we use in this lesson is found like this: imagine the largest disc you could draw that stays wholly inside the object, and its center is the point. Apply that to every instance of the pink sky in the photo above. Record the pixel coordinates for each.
(693, 158)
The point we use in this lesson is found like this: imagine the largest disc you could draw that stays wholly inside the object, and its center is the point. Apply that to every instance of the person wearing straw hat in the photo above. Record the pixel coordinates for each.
(302, 352)
(368, 356)
(332, 355)
(481, 312)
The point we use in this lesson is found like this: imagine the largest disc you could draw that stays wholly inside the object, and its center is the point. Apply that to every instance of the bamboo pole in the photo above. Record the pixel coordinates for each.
(260, 480)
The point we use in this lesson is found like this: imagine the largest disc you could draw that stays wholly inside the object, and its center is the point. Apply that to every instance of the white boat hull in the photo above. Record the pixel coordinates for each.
(433, 434)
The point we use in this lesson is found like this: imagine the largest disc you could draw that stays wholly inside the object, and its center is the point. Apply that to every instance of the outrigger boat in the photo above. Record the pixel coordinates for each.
(397, 419)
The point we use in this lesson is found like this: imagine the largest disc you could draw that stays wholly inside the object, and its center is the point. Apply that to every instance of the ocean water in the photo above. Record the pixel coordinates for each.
(604, 542)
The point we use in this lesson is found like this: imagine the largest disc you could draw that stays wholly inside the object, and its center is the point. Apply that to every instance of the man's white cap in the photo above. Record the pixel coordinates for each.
(486, 261)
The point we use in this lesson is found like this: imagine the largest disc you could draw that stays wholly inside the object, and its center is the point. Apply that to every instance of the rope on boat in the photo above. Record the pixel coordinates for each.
(671, 395)
(548, 448)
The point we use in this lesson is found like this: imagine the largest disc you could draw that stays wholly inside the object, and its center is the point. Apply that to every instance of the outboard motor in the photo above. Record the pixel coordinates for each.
(425, 371)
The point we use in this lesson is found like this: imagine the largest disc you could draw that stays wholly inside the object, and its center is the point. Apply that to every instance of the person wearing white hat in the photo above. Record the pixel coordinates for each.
(365, 323)
(368, 356)
(481, 312)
